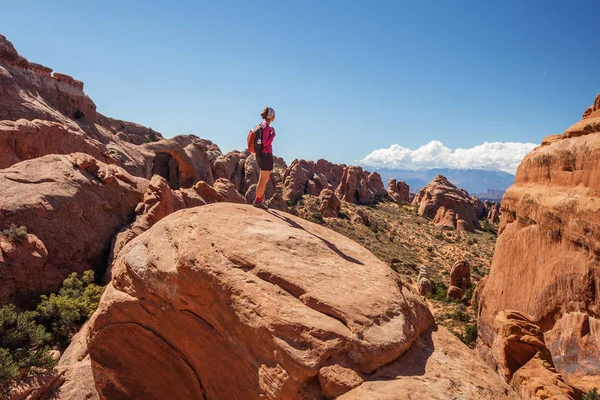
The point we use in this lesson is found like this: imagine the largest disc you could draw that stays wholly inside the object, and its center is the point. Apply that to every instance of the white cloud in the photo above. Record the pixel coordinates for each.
(504, 156)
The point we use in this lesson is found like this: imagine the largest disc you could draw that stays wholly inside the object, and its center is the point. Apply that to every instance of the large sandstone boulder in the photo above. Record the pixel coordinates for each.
(240, 303)
(448, 205)
(74, 205)
(460, 275)
(546, 263)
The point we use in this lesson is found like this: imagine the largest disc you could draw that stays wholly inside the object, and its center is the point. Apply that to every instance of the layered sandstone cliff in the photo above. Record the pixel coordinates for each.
(547, 259)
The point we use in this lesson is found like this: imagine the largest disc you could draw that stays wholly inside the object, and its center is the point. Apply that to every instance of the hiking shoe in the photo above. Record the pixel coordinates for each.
(260, 205)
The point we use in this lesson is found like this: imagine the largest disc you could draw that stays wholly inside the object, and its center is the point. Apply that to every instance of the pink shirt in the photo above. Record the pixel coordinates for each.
(268, 137)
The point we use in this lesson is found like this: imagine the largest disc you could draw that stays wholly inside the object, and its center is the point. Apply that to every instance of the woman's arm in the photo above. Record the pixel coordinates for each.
(269, 140)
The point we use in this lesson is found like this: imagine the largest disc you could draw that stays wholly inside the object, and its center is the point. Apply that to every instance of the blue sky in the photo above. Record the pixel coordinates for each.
(345, 77)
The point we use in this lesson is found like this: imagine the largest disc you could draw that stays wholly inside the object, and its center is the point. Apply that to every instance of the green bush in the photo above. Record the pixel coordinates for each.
(27, 336)
(592, 395)
(439, 292)
(460, 314)
(469, 292)
(470, 336)
(472, 241)
(65, 312)
(487, 227)
(15, 233)
(152, 136)
(23, 343)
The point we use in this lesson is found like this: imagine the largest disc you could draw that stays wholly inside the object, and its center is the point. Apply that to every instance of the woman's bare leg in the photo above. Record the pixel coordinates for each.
(262, 183)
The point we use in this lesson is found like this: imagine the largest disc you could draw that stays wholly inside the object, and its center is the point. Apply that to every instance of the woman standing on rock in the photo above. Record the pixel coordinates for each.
(265, 157)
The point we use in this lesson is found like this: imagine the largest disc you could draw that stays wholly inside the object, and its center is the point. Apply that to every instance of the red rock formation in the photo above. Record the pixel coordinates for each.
(492, 210)
(448, 205)
(460, 275)
(574, 339)
(398, 191)
(308, 177)
(330, 204)
(455, 293)
(21, 264)
(360, 187)
(225, 188)
(74, 204)
(516, 341)
(277, 202)
(60, 91)
(159, 201)
(520, 356)
(228, 166)
(478, 289)
(547, 259)
(590, 122)
(193, 159)
(538, 380)
(438, 366)
(336, 380)
(23, 140)
(267, 330)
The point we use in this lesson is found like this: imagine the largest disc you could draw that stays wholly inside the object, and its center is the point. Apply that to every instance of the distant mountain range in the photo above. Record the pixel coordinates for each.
(484, 184)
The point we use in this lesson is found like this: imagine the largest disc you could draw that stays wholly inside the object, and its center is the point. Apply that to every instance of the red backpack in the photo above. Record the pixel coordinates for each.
(255, 140)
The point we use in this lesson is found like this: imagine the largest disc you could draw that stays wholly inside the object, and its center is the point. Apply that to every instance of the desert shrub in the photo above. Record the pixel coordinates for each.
(439, 291)
(380, 197)
(439, 236)
(316, 216)
(27, 336)
(470, 336)
(592, 395)
(469, 292)
(15, 233)
(487, 227)
(65, 312)
(23, 343)
(152, 135)
(472, 241)
(460, 314)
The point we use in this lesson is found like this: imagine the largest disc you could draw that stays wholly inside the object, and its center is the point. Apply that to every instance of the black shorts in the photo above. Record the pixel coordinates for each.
(265, 161)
